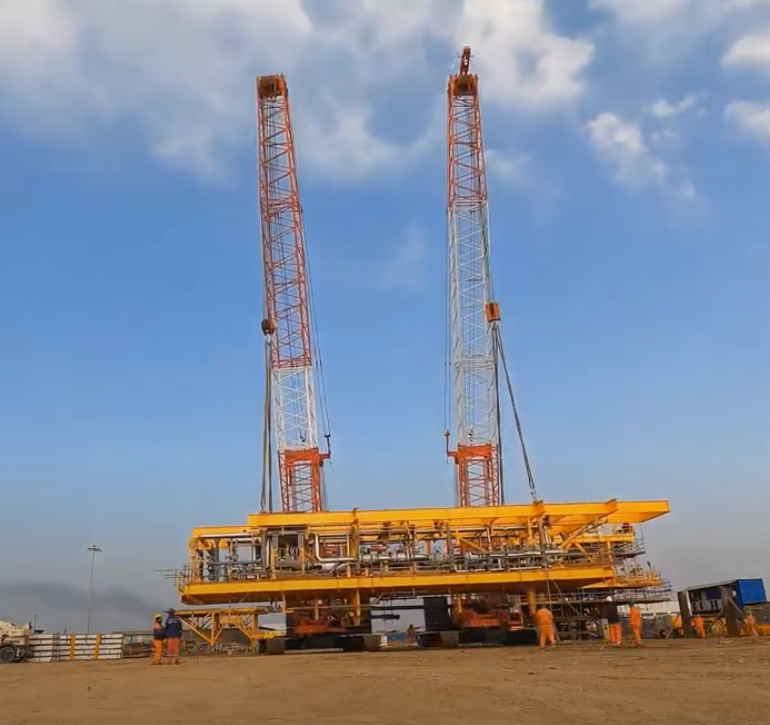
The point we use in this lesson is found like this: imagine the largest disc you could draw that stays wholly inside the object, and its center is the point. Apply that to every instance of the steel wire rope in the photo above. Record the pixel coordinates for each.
(315, 339)
(447, 340)
(517, 420)
(266, 499)
(496, 347)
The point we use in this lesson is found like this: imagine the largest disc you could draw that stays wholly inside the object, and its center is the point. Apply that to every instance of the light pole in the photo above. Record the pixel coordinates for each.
(94, 550)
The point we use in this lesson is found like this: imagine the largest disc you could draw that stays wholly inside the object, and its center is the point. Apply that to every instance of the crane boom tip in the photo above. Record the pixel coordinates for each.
(465, 60)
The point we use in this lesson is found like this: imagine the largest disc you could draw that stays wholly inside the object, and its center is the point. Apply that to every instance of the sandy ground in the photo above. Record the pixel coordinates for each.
(665, 682)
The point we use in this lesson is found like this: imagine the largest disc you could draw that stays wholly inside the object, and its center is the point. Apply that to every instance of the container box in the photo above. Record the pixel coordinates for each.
(706, 599)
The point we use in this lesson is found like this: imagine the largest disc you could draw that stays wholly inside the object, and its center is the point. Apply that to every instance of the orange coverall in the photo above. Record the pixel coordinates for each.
(635, 620)
(544, 627)
(699, 626)
(173, 630)
(157, 642)
(612, 616)
(172, 650)
(751, 625)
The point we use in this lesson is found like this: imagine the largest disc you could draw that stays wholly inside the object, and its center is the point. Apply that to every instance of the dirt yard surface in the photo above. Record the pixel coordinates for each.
(665, 682)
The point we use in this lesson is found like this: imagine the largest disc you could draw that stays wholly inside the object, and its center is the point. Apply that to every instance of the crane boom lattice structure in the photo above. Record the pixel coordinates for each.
(287, 314)
(472, 311)
(481, 568)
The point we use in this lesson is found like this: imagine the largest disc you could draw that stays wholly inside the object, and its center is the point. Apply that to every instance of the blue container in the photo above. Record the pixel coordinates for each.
(750, 591)
(707, 598)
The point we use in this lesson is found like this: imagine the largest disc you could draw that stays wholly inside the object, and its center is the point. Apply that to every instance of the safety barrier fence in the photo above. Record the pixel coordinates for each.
(61, 647)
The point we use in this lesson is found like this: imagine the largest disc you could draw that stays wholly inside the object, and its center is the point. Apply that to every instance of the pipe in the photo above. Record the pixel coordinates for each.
(393, 533)
(326, 559)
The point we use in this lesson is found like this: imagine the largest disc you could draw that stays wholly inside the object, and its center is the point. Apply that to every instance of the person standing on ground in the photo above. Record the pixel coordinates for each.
(173, 637)
(612, 615)
(699, 627)
(544, 627)
(635, 621)
(158, 635)
(751, 624)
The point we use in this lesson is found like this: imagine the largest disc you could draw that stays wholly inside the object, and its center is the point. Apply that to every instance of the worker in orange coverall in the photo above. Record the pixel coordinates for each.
(635, 622)
(173, 631)
(612, 615)
(751, 624)
(699, 627)
(544, 627)
(158, 635)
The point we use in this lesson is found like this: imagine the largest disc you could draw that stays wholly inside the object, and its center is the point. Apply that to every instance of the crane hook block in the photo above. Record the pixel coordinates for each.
(492, 312)
(268, 327)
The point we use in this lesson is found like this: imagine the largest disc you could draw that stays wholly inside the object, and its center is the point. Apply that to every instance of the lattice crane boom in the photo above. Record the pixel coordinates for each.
(287, 313)
(472, 310)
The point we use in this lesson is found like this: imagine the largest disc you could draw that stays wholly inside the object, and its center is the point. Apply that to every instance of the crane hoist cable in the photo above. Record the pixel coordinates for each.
(266, 499)
(516, 417)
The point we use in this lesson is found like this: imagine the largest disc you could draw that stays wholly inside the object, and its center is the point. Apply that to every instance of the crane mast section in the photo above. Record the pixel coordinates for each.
(287, 311)
(472, 311)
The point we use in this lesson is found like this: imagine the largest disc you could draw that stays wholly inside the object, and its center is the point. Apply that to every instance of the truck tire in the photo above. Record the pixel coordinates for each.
(372, 642)
(7, 655)
(275, 646)
(450, 640)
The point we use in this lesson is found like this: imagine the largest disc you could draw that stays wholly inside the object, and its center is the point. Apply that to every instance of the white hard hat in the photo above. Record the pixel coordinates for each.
(609, 599)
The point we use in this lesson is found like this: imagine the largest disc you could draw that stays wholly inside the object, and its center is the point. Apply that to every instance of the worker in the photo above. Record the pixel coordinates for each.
(751, 624)
(612, 615)
(158, 635)
(173, 631)
(544, 627)
(635, 622)
(699, 626)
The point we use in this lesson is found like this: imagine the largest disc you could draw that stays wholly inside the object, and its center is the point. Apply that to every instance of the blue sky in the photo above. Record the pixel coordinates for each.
(628, 157)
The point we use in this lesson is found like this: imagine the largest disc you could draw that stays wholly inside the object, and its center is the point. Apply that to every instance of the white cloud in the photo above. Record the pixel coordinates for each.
(621, 144)
(182, 71)
(647, 12)
(747, 4)
(406, 267)
(664, 137)
(753, 119)
(667, 31)
(664, 109)
(508, 166)
(750, 51)
(702, 14)
(667, 116)
(521, 60)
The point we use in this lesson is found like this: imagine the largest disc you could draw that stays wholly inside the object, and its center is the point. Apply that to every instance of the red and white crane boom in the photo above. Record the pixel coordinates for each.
(287, 323)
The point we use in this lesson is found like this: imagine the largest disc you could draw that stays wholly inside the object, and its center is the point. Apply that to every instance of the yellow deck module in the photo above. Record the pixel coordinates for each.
(357, 556)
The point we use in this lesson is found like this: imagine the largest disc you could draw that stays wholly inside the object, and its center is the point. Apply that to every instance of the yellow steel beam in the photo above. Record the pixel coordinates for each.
(457, 582)
(226, 611)
(644, 580)
(607, 538)
(568, 515)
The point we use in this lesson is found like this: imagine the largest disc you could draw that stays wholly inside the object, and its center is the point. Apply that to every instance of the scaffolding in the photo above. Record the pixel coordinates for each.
(210, 625)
